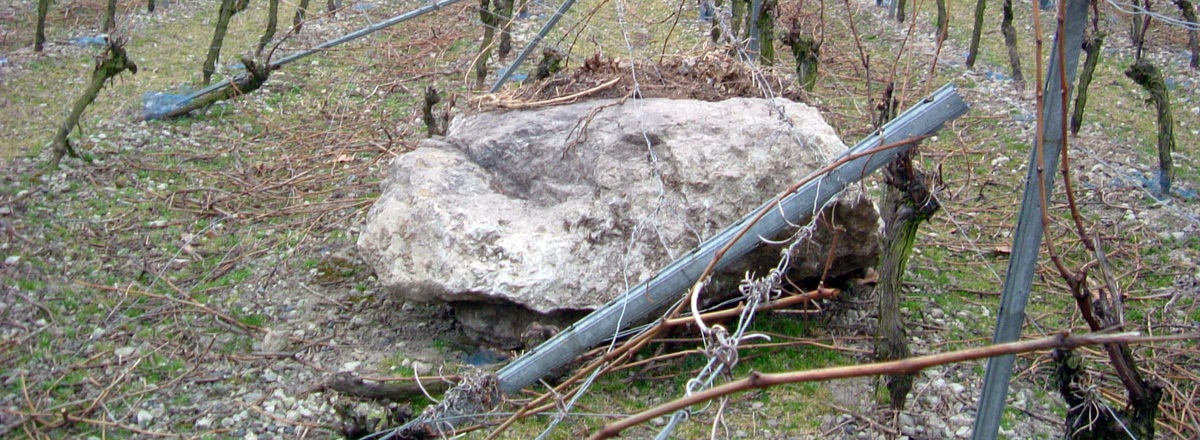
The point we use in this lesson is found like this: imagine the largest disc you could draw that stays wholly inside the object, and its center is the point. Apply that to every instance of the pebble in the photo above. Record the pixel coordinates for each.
(353, 365)
(422, 368)
(274, 342)
(12, 260)
(963, 432)
(936, 422)
(144, 418)
(658, 421)
(906, 420)
(124, 352)
(957, 388)
(269, 376)
(961, 419)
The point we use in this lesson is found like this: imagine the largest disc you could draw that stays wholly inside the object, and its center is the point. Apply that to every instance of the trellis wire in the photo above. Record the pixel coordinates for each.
(431, 7)
(756, 291)
(1134, 9)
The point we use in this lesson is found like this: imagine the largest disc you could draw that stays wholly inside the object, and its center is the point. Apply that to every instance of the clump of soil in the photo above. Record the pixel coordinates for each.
(713, 76)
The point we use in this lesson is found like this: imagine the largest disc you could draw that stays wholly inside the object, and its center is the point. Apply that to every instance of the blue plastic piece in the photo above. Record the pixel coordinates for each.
(3, 61)
(90, 41)
(156, 104)
(518, 77)
(996, 76)
(364, 6)
(1185, 193)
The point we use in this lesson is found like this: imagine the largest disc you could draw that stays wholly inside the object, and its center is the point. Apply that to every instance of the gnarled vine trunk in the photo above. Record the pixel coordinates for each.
(1189, 14)
(110, 16)
(1150, 78)
(272, 23)
(907, 202)
(1010, 41)
(114, 62)
(224, 15)
(1091, 47)
(807, 52)
(39, 36)
(976, 33)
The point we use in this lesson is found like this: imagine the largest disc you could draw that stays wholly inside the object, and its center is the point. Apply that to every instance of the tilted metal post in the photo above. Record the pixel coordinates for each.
(668, 285)
(755, 32)
(318, 48)
(508, 71)
(1027, 241)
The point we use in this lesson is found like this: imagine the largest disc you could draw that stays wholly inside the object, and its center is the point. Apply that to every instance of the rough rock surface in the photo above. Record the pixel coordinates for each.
(556, 212)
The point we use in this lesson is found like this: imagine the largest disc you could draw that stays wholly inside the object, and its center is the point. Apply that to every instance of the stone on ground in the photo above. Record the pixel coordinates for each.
(550, 211)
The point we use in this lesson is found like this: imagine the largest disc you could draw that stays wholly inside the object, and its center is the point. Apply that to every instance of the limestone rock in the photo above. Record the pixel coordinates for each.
(556, 211)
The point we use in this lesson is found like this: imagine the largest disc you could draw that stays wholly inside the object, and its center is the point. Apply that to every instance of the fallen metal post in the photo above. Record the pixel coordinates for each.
(508, 71)
(669, 284)
(1027, 241)
(318, 48)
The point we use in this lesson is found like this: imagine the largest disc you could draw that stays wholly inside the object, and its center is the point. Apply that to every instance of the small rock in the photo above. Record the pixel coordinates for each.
(274, 342)
(203, 423)
(269, 376)
(906, 420)
(938, 383)
(963, 432)
(124, 352)
(658, 421)
(961, 419)
(957, 388)
(936, 422)
(422, 368)
(350, 367)
(12, 260)
(144, 418)
(741, 434)
(4, 210)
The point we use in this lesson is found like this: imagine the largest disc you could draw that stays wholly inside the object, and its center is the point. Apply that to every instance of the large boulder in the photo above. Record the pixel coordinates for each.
(563, 208)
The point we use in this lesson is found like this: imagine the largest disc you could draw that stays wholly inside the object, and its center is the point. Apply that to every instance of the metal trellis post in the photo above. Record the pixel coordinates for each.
(1027, 241)
(562, 9)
